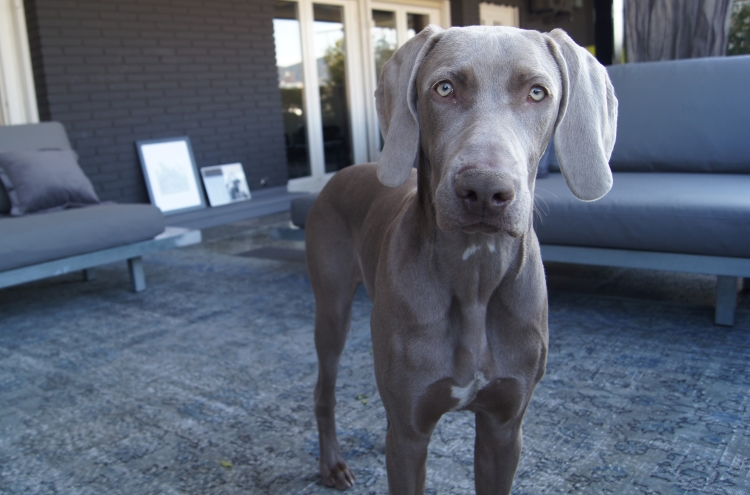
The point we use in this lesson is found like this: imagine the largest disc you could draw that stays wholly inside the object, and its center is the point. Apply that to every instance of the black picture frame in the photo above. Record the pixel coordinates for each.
(171, 174)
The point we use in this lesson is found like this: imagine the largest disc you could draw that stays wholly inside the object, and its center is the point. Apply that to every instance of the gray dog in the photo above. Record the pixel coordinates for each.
(446, 250)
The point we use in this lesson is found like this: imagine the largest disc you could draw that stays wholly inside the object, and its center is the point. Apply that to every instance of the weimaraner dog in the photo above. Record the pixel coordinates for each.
(446, 250)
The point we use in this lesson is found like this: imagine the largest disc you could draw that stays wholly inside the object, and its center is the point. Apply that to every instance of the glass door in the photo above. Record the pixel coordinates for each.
(392, 26)
(288, 43)
(384, 38)
(323, 129)
(330, 56)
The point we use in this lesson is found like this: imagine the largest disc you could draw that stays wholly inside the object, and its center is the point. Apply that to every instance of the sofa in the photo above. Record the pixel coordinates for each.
(681, 166)
(680, 200)
(52, 222)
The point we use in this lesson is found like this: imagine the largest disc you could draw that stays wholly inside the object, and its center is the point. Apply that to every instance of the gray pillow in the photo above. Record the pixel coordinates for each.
(44, 180)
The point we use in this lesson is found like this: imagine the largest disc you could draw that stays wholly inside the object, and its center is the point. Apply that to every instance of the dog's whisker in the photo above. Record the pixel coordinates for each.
(539, 214)
(536, 196)
(545, 190)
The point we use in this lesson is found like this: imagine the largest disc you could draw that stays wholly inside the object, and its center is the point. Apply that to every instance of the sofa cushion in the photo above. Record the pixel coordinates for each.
(4, 200)
(682, 115)
(44, 237)
(301, 207)
(29, 137)
(669, 212)
(44, 180)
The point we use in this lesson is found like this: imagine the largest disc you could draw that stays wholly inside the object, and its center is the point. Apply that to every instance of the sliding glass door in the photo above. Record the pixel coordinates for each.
(286, 35)
(313, 43)
(392, 26)
(329, 54)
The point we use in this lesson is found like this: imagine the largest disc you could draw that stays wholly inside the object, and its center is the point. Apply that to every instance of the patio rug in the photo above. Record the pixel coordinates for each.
(203, 385)
(275, 253)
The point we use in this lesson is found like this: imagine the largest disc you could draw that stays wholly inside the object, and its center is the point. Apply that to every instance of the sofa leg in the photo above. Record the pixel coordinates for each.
(137, 275)
(726, 300)
(89, 275)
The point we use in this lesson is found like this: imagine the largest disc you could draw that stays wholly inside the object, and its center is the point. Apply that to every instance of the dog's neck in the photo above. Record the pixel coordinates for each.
(476, 261)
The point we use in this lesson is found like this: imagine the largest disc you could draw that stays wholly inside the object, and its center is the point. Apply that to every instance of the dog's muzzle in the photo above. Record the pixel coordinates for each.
(485, 195)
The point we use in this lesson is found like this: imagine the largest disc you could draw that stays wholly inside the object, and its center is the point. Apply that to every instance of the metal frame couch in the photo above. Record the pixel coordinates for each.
(681, 194)
(61, 240)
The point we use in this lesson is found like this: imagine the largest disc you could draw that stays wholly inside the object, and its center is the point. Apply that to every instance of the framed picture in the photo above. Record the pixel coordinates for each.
(171, 175)
(225, 184)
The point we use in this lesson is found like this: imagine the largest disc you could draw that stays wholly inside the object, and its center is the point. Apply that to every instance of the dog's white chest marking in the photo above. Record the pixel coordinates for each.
(465, 395)
(469, 251)
(474, 248)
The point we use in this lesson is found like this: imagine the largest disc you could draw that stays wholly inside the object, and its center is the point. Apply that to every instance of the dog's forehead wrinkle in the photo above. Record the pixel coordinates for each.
(456, 69)
(508, 58)
(523, 75)
(499, 79)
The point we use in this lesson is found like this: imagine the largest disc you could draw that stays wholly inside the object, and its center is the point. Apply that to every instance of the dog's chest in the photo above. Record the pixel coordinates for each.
(480, 377)
(465, 395)
(478, 247)
(495, 394)
(476, 271)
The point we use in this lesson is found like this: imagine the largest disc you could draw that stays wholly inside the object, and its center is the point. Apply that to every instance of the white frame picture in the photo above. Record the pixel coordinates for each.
(225, 184)
(170, 174)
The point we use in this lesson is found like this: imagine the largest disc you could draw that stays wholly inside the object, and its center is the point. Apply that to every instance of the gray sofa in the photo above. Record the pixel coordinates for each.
(681, 165)
(51, 221)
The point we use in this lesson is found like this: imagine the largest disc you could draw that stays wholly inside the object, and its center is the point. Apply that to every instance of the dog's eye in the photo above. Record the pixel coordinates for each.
(537, 93)
(444, 88)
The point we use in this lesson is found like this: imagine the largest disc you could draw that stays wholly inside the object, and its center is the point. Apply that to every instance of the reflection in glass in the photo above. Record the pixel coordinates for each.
(286, 36)
(384, 38)
(384, 42)
(415, 23)
(330, 54)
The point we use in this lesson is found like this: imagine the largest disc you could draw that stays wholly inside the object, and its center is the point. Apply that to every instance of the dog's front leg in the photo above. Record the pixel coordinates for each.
(332, 318)
(497, 451)
(404, 377)
(406, 458)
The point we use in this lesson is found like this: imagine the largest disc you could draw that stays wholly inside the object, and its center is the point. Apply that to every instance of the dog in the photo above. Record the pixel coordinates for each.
(440, 232)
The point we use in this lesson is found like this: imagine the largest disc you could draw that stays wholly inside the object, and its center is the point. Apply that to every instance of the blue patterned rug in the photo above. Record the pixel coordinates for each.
(203, 385)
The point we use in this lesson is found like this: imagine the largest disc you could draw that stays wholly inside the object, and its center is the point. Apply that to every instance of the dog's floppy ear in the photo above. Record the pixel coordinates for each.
(587, 120)
(395, 99)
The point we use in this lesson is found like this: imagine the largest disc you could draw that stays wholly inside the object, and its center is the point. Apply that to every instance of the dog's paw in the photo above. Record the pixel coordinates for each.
(337, 475)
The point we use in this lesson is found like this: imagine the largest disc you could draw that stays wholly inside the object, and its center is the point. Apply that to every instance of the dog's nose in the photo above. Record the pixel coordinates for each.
(484, 192)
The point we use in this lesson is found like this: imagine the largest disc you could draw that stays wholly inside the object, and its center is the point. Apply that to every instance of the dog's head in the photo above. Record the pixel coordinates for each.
(476, 106)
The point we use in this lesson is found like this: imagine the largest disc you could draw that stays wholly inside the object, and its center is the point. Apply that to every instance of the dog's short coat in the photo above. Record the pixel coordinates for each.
(447, 251)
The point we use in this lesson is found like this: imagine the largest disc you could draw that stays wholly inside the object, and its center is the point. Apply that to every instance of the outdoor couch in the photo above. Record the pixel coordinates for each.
(681, 165)
(51, 221)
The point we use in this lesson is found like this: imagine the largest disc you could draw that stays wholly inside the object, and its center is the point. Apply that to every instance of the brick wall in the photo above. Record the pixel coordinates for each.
(114, 72)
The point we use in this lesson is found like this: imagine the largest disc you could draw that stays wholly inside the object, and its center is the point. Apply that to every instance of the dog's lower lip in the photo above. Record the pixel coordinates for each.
(480, 227)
